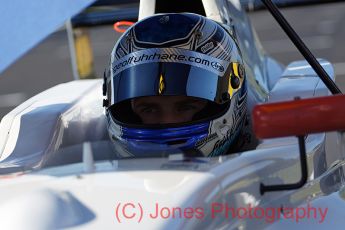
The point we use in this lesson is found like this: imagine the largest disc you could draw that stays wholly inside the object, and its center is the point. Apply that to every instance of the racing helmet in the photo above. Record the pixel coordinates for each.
(170, 55)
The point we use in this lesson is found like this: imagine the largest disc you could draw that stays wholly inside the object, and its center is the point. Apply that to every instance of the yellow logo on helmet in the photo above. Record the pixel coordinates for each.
(161, 85)
(236, 78)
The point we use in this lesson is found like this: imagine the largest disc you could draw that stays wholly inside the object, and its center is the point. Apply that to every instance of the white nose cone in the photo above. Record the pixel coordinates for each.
(44, 209)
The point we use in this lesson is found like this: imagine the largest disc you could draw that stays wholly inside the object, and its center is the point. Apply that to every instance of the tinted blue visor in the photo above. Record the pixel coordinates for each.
(155, 73)
(148, 140)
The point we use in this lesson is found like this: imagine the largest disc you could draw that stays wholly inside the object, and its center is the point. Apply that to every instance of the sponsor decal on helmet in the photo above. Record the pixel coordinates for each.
(173, 55)
(240, 71)
(164, 19)
(221, 146)
(207, 47)
(120, 52)
(217, 66)
(206, 139)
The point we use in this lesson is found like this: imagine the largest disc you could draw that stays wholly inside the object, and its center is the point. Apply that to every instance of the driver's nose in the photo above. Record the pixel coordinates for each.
(171, 118)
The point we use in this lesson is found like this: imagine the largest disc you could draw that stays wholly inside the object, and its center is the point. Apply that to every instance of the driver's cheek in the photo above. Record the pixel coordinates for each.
(149, 119)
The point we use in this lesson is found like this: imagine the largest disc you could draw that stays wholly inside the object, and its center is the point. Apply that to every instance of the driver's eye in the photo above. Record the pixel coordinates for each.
(148, 110)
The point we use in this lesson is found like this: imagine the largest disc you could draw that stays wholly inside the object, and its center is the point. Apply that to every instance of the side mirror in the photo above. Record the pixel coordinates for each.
(299, 117)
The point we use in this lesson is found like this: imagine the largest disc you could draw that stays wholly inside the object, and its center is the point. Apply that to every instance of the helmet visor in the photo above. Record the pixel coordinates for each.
(173, 71)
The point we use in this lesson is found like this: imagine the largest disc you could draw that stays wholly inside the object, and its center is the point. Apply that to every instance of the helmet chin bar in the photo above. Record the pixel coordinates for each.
(304, 172)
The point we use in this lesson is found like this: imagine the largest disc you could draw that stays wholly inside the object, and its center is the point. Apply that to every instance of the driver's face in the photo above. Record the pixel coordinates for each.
(167, 109)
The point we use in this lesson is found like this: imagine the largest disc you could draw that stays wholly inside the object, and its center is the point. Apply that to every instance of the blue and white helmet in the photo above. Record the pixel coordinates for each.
(177, 54)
